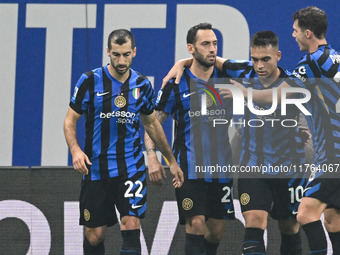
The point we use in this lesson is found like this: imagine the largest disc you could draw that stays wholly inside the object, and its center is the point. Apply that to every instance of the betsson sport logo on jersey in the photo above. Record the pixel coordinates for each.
(123, 117)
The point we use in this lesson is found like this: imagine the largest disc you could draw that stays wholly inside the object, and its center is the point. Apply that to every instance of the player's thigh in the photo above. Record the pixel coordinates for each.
(96, 204)
(288, 193)
(326, 190)
(220, 201)
(191, 200)
(131, 194)
(255, 194)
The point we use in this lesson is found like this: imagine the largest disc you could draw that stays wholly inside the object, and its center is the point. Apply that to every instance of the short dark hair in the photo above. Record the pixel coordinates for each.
(121, 36)
(264, 38)
(191, 35)
(312, 18)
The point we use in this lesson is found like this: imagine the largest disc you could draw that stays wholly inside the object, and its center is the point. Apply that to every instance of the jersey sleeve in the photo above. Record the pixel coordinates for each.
(236, 68)
(80, 98)
(148, 98)
(294, 80)
(166, 99)
(307, 71)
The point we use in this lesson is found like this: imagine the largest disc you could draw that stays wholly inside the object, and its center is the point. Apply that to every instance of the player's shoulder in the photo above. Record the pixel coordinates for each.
(88, 76)
(332, 54)
(326, 49)
(139, 80)
(96, 71)
(169, 86)
(323, 53)
(303, 60)
(294, 79)
(183, 81)
(322, 60)
(285, 73)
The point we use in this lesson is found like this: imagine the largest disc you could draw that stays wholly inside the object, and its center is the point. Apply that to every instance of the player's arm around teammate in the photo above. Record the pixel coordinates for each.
(259, 96)
(265, 59)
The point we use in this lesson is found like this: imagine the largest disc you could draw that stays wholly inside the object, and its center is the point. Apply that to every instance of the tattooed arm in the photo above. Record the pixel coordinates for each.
(156, 170)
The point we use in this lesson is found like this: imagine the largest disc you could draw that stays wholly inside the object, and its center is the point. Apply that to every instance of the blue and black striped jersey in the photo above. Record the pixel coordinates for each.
(320, 73)
(198, 146)
(266, 142)
(112, 111)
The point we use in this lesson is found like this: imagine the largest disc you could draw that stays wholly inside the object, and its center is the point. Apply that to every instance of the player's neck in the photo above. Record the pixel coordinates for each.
(119, 77)
(200, 71)
(266, 82)
(315, 43)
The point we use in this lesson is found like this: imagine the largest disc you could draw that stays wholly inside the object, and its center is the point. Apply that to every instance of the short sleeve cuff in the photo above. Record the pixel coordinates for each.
(76, 108)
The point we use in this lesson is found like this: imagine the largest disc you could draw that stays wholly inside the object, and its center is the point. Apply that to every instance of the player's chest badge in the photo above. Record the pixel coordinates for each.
(120, 101)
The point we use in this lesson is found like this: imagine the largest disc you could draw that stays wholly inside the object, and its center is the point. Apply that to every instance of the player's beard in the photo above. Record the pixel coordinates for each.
(120, 72)
(200, 59)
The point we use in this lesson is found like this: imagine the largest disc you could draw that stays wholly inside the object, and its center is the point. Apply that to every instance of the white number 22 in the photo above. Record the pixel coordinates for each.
(138, 191)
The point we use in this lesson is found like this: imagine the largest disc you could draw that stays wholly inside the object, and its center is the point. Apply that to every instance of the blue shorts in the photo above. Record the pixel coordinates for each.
(213, 200)
(326, 190)
(280, 197)
(98, 199)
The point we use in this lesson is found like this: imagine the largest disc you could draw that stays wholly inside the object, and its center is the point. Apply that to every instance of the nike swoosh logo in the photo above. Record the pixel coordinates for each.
(230, 211)
(136, 206)
(246, 248)
(294, 212)
(188, 95)
(306, 189)
(102, 94)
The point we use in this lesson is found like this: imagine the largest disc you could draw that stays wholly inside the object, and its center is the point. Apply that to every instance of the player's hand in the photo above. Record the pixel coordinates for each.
(176, 171)
(176, 71)
(156, 171)
(305, 135)
(79, 159)
(226, 93)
